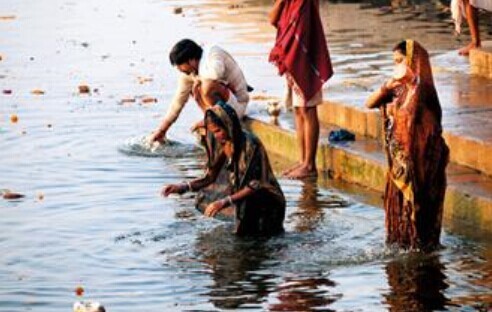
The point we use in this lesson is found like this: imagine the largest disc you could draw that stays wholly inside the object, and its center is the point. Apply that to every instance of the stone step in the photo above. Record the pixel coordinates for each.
(469, 193)
(481, 60)
(467, 133)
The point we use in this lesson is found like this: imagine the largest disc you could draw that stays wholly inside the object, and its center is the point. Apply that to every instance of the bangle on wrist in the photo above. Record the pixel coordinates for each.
(229, 200)
(188, 183)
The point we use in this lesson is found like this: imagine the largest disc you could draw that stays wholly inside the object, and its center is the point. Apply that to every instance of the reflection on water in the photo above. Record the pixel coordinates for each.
(304, 294)
(235, 266)
(417, 283)
(311, 205)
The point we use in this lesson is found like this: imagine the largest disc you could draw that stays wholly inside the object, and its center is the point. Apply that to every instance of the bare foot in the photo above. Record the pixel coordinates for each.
(465, 51)
(302, 172)
(286, 172)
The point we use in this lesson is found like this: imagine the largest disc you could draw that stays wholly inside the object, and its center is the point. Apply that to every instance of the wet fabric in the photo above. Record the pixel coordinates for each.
(300, 49)
(263, 212)
(417, 158)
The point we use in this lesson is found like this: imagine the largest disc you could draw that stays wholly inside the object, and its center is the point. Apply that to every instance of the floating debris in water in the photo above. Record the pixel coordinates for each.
(7, 91)
(79, 290)
(178, 10)
(7, 17)
(263, 97)
(37, 92)
(88, 306)
(84, 89)
(235, 6)
(40, 196)
(7, 194)
(148, 100)
(142, 80)
(127, 101)
(14, 118)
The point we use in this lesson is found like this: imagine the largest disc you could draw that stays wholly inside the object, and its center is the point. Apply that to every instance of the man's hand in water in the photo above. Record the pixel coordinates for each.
(213, 208)
(157, 136)
(174, 189)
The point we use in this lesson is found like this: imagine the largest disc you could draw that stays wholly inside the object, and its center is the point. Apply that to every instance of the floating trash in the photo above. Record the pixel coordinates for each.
(140, 146)
(88, 306)
(9, 195)
(37, 92)
(84, 89)
(148, 100)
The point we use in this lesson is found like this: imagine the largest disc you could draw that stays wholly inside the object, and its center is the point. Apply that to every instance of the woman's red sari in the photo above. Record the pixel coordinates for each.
(300, 49)
(418, 156)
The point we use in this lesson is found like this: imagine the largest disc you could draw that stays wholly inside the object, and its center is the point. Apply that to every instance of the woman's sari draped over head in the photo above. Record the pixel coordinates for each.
(263, 212)
(300, 50)
(418, 157)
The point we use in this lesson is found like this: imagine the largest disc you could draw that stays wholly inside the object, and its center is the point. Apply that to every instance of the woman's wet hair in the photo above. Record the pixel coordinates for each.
(184, 51)
(237, 135)
(402, 47)
(210, 116)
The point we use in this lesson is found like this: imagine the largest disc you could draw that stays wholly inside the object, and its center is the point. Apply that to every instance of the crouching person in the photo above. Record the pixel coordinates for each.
(250, 186)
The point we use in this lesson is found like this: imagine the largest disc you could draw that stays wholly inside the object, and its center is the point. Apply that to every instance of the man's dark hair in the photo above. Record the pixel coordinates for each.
(185, 50)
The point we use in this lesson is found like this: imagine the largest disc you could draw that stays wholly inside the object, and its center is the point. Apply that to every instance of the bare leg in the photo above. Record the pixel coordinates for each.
(310, 138)
(472, 20)
(299, 121)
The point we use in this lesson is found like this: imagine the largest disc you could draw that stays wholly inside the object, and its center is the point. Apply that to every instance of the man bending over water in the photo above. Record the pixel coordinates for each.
(208, 75)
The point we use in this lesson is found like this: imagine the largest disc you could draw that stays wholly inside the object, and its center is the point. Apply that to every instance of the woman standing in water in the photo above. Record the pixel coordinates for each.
(417, 154)
(256, 195)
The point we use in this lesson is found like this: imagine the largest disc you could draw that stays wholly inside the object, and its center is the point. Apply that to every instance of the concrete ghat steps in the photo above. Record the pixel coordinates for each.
(481, 60)
(469, 193)
(471, 151)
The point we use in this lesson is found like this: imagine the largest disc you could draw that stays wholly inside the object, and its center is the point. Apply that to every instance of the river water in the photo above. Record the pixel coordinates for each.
(92, 215)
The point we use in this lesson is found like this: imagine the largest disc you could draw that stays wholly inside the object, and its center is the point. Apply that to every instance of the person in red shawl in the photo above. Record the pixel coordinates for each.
(416, 151)
(301, 54)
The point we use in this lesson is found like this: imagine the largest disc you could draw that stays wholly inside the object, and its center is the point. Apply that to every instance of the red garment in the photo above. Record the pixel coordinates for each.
(300, 48)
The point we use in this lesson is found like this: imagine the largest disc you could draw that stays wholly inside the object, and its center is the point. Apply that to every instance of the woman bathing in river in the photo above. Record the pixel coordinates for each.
(256, 195)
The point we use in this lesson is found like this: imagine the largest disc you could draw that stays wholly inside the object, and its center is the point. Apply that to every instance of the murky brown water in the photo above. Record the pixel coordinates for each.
(100, 222)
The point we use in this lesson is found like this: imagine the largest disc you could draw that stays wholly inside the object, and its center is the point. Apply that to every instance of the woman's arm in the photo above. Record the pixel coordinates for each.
(213, 208)
(382, 95)
(275, 12)
(197, 184)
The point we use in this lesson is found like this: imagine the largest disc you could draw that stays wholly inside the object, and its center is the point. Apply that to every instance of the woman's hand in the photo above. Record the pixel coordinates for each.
(213, 208)
(390, 84)
(174, 189)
